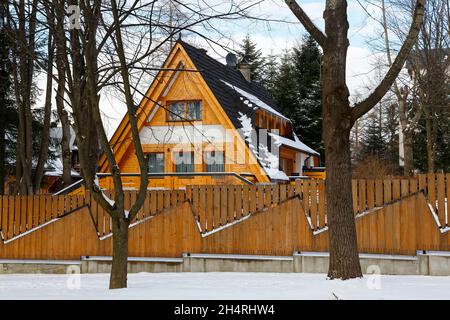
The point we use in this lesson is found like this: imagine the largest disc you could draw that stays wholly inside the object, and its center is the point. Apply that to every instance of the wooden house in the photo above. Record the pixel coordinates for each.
(204, 122)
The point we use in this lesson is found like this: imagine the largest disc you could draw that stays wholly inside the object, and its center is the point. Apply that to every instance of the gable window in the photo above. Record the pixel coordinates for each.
(156, 163)
(194, 110)
(185, 110)
(214, 161)
(184, 161)
(176, 111)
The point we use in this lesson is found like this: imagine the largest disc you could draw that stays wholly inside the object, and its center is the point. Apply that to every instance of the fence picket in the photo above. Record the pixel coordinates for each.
(441, 198)
(209, 218)
(245, 200)
(223, 205)
(447, 197)
(321, 208)
(230, 205)
(355, 196)
(431, 187)
(238, 202)
(362, 195)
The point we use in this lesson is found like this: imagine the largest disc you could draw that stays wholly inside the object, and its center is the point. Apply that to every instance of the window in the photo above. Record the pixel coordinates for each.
(185, 110)
(156, 163)
(214, 161)
(176, 111)
(184, 162)
(194, 110)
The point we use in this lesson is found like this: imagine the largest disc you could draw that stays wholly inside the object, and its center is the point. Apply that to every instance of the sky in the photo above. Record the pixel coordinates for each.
(275, 37)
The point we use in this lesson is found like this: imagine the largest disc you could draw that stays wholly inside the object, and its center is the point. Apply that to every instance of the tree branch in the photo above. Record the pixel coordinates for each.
(307, 23)
(364, 106)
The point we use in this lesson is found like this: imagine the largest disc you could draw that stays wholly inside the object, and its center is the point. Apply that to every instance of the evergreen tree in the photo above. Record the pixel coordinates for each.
(298, 92)
(308, 115)
(8, 119)
(270, 72)
(285, 89)
(250, 54)
(373, 141)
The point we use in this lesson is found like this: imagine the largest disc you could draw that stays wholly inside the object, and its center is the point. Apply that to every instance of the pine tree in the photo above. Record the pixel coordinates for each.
(249, 53)
(8, 113)
(308, 115)
(270, 72)
(373, 141)
(285, 89)
(297, 91)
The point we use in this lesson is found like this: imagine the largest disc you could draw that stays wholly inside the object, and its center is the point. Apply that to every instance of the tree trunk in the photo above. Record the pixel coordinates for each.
(118, 278)
(406, 140)
(408, 168)
(344, 260)
(338, 119)
(65, 139)
(45, 136)
(337, 123)
(430, 143)
(2, 153)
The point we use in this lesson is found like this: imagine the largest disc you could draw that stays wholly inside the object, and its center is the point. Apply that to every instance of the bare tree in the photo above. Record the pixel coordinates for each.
(338, 119)
(111, 45)
(430, 68)
(408, 119)
(427, 70)
(45, 136)
(24, 31)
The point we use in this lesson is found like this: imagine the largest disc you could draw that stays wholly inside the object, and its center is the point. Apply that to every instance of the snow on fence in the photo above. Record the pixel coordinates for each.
(394, 216)
(217, 206)
(22, 214)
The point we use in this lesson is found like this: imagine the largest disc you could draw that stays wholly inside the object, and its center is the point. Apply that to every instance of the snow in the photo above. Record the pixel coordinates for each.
(108, 199)
(225, 286)
(297, 144)
(251, 99)
(247, 127)
(54, 168)
(268, 160)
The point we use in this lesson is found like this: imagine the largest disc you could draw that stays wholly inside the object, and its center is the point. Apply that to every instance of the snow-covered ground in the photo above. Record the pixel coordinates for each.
(194, 286)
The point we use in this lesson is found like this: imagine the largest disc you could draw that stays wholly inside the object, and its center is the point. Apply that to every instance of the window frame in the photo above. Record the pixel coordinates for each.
(163, 161)
(185, 110)
(176, 166)
(169, 112)
(205, 167)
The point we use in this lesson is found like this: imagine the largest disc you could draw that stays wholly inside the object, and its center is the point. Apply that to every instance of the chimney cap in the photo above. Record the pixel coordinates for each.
(231, 60)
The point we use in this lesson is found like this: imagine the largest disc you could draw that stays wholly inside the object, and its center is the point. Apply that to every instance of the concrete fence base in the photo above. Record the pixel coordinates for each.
(424, 263)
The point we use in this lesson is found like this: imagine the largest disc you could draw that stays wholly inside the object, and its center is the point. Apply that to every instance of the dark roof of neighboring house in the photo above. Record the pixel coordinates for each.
(215, 73)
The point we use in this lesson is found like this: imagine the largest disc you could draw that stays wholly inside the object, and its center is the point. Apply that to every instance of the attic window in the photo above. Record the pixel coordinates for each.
(185, 110)
(176, 111)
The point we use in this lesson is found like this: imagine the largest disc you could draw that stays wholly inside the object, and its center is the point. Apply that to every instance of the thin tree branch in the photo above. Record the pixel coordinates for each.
(301, 15)
(364, 106)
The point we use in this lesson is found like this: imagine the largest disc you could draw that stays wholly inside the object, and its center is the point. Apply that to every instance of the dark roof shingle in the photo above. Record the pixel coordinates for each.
(215, 73)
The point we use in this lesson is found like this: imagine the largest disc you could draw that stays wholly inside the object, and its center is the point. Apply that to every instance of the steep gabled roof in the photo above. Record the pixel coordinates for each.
(239, 98)
(236, 95)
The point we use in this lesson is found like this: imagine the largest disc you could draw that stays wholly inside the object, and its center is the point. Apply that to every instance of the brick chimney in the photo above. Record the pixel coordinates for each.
(244, 68)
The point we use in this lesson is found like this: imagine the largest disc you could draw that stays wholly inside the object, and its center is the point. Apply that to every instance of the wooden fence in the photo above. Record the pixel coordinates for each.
(395, 216)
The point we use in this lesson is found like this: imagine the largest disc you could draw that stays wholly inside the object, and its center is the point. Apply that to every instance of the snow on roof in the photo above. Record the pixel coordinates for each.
(251, 99)
(54, 168)
(268, 160)
(56, 135)
(297, 144)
